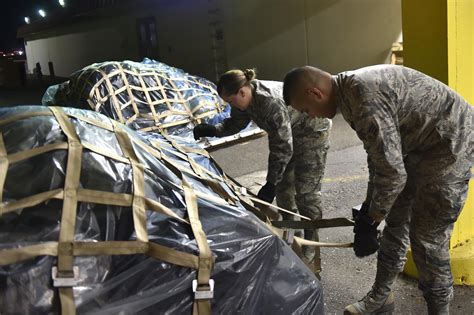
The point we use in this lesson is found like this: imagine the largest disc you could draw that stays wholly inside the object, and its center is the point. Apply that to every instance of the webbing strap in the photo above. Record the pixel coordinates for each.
(66, 296)
(168, 255)
(173, 256)
(201, 171)
(104, 197)
(301, 241)
(159, 207)
(112, 91)
(304, 242)
(104, 152)
(139, 212)
(92, 121)
(313, 224)
(22, 116)
(68, 217)
(148, 99)
(15, 255)
(201, 306)
(261, 202)
(181, 97)
(31, 201)
(23, 155)
(129, 91)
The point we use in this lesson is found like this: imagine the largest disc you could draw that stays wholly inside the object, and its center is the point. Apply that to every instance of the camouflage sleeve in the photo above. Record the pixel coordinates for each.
(237, 121)
(280, 141)
(377, 130)
(370, 185)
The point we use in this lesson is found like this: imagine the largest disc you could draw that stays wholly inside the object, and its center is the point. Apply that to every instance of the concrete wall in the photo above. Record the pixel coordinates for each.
(72, 52)
(184, 38)
(267, 34)
(271, 35)
(336, 35)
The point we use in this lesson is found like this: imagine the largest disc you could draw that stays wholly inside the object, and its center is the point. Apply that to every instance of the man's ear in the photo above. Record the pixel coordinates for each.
(241, 92)
(315, 92)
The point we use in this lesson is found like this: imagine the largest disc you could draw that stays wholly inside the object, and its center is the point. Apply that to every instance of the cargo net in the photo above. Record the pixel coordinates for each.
(95, 217)
(146, 96)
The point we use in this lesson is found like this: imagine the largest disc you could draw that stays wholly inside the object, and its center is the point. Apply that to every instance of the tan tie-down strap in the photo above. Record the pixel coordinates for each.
(67, 248)
(200, 173)
(96, 99)
(203, 285)
(157, 251)
(281, 228)
(68, 218)
(139, 212)
(313, 224)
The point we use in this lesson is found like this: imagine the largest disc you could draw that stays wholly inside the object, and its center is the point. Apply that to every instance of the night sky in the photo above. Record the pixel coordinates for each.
(12, 14)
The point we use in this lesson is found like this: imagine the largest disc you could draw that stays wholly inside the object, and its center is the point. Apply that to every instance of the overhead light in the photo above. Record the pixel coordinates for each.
(62, 3)
(42, 13)
(27, 20)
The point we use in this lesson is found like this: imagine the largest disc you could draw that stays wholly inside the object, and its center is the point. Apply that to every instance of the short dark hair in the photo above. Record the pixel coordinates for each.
(289, 84)
(301, 75)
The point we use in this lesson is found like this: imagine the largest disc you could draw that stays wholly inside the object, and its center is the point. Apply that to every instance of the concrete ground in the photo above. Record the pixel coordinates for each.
(345, 278)
(31, 94)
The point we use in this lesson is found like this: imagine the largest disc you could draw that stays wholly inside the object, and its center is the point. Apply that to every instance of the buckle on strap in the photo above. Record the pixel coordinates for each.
(203, 291)
(65, 281)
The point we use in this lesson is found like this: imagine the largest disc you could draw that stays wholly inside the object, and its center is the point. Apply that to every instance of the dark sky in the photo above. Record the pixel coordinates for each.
(12, 14)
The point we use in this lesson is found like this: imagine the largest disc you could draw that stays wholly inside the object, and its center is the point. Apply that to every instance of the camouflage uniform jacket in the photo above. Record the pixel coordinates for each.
(401, 113)
(269, 112)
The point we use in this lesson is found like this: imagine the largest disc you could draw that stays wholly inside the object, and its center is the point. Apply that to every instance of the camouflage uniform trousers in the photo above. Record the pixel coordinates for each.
(300, 189)
(423, 215)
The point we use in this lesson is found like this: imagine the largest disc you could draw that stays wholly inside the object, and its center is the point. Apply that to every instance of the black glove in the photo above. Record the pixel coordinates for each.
(267, 192)
(204, 130)
(365, 233)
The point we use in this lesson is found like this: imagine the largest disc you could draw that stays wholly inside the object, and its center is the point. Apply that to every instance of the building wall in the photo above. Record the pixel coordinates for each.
(184, 37)
(270, 35)
(336, 35)
(71, 52)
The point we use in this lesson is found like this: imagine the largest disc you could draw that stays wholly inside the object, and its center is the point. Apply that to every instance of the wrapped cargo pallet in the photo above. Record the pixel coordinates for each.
(96, 218)
(148, 97)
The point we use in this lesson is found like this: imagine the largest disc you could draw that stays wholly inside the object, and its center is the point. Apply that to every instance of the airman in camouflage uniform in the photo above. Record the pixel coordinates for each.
(298, 147)
(418, 136)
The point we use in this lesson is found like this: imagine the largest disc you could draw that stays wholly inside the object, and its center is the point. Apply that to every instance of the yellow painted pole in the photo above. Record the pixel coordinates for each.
(438, 39)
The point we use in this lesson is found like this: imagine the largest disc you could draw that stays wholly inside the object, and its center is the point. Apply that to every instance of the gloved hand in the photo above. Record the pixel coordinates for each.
(204, 130)
(267, 192)
(365, 233)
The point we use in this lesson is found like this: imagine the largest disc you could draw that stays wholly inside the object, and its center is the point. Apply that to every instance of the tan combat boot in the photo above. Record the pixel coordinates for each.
(372, 303)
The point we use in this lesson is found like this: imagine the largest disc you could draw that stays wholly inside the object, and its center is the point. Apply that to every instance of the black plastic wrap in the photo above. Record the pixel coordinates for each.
(255, 272)
(110, 87)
